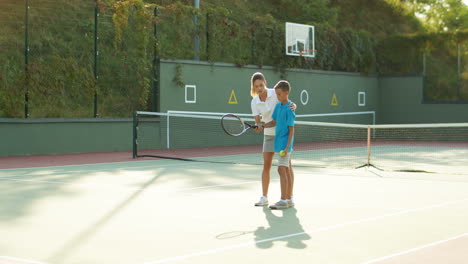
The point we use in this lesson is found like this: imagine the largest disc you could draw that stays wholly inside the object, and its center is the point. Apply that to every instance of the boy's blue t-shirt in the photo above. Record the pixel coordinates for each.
(284, 117)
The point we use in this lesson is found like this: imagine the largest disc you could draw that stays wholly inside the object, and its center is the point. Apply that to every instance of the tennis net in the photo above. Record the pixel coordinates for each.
(437, 148)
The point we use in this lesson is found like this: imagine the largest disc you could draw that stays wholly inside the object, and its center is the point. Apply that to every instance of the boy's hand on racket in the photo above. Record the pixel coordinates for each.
(259, 128)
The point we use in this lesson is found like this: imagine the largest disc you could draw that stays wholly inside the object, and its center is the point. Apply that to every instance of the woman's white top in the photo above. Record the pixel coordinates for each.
(265, 109)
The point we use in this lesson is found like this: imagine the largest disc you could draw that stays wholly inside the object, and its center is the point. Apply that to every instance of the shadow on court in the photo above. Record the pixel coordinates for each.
(20, 195)
(82, 237)
(286, 227)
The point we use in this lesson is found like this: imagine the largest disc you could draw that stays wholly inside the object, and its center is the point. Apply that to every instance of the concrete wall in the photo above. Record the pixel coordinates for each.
(215, 85)
(401, 102)
(55, 136)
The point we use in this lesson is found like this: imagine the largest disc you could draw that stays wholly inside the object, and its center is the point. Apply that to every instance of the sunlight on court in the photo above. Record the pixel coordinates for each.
(194, 212)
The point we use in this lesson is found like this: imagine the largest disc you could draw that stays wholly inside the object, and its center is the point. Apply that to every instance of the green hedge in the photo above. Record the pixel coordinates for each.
(60, 75)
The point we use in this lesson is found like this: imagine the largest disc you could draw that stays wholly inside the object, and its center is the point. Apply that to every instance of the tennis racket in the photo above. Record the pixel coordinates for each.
(234, 125)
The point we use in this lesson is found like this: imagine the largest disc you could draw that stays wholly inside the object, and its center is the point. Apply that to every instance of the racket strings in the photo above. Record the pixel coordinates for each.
(233, 125)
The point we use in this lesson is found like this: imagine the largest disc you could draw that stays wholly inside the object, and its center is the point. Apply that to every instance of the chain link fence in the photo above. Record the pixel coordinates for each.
(445, 69)
(63, 60)
(90, 58)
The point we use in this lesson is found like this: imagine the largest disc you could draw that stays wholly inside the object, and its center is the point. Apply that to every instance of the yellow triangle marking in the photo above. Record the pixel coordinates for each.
(334, 100)
(232, 98)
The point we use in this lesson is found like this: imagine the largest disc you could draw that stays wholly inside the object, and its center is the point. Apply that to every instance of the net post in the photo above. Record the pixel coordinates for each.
(368, 145)
(373, 123)
(135, 134)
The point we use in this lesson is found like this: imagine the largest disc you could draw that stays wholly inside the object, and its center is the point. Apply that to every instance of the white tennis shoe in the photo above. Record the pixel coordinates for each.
(281, 204)
(262, 202)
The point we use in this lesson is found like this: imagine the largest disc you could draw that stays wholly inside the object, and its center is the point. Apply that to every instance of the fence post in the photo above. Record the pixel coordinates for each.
(459, 81)
(156, 62)
(196, 4)
(135, 135)
(208, 57)
(96, 54)
(254, 44)
(424, 63)
(26, 62)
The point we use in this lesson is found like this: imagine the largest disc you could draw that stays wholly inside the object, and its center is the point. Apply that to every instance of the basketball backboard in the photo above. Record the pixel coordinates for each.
(300, 40)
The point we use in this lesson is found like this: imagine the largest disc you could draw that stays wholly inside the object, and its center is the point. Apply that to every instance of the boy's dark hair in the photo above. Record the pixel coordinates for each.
(283, 85)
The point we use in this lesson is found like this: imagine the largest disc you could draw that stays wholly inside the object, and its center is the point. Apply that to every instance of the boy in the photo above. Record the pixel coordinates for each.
(283, 119)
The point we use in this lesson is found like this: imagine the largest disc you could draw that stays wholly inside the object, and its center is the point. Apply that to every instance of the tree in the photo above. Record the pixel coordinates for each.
(441, 15)
(304, 11)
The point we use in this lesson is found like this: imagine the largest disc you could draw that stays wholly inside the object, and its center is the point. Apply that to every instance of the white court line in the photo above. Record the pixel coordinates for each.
(214, 186)
(119, 188)
(77, 165)
(111, 187)
(155, 166)
(18, 260)
(188, 190)
(315, 231)
(109, 163)
(415, 249)
(131, 162)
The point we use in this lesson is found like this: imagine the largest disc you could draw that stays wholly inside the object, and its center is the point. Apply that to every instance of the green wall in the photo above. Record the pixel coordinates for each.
(401, 102)
(54, 136)
(215, 84)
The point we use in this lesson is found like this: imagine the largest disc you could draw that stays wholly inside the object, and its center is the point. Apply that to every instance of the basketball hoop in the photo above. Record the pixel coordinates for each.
(308, 55)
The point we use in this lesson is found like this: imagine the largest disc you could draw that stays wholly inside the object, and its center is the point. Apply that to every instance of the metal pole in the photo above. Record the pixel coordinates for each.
(155, 65)
(135, 135)
(208, 57)
(96, 54)
(254, 45)
(424, 63)
(196, 4)
(459, 84)
(368, 146)
(26, 62)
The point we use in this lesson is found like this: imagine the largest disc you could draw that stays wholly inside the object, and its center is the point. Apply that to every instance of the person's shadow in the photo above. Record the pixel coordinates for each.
(281, 228)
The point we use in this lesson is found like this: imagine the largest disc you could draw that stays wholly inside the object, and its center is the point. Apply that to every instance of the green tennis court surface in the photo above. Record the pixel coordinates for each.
(163, 211)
